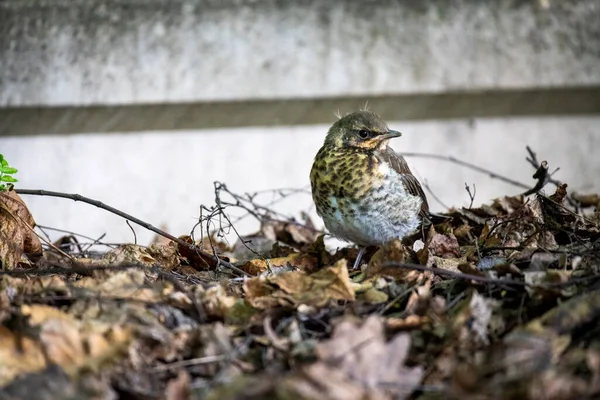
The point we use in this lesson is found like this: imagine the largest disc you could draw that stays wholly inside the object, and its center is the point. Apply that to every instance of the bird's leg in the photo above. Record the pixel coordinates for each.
(361, 250)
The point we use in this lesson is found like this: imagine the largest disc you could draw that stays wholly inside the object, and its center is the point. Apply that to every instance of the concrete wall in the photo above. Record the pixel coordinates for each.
(204, 64)
(105, 52)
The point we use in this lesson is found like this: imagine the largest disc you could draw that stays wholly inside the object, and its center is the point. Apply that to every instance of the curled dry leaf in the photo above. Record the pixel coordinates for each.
(393, 251)
(129, 254)
(165, 254)
(216, 301)
(296, 287)
(16, 236)
(290, 233)
(196, 259)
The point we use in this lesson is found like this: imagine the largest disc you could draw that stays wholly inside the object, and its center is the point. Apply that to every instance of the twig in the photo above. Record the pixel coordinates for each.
(77, 197)
(42, 227)
(93, 242)
(428, 188)
(395, 300)
(50, 244)
(532, 159)
(459, 275)
(474, 167)
(190, 363)
(482, 279)
(132, 231)
(471, 195)
(262, 213)
(541, 174)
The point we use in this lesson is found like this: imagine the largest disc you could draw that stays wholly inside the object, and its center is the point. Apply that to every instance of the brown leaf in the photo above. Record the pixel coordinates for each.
(334, 281)
(259, 293)
(393, 251)
(129, 254)
(18, 355)
(216, 301)
(363, 355)
(126, 284)
(442, 245)
(68, 342)
(165, 254)
(560, 193)
(293, 282)
(290, 233)
(319, 381)
(178, 388)
(296, 260)
(16, 236)
(374, 296)
(197, 259)
(296, 287)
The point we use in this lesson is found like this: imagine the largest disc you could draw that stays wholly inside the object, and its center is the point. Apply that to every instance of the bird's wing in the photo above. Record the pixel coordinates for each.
(411, 183)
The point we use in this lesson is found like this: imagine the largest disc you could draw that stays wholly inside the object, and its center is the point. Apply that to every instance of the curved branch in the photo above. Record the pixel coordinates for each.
(99, 204)
(466, 164)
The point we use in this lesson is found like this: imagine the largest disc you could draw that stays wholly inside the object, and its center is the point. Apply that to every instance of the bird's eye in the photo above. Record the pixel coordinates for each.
(363, 134)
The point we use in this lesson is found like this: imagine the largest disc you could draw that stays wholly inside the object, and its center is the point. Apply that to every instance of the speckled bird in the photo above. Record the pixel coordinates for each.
(364, 191)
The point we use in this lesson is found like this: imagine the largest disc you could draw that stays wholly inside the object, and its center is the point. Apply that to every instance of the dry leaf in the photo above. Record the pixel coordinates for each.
(130, 254)
(319, 381)
(362, 354)
(295, 260)
(18, 355)
(296, 287)
(442, 245)
(179, 388)
(393, 251)
(16, 236)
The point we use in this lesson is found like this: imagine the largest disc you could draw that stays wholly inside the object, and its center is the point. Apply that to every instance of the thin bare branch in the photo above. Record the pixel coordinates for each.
(77, 197)
(466, 164)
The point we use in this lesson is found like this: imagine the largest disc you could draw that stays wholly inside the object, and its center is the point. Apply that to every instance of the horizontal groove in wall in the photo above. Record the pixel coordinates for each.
(204, 115)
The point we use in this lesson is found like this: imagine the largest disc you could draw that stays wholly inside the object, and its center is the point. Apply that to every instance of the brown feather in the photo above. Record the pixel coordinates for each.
(411, 183)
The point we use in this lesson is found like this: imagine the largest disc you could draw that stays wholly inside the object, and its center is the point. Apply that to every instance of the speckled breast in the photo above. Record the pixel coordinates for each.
(360, 198)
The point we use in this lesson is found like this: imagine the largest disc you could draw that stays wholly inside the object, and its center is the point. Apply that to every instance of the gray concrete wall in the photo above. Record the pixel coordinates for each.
(242, 92)
(75, 52)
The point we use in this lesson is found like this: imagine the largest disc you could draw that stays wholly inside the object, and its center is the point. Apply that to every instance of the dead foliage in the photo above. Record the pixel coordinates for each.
(500, 301)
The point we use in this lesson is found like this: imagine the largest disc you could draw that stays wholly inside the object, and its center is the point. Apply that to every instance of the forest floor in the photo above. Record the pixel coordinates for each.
(500, 301)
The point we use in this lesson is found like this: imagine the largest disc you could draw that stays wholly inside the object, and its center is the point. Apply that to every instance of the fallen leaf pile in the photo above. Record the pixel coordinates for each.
(496, 302)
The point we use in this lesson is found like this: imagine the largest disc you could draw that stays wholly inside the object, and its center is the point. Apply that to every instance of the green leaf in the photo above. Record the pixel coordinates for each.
(8, 170)
(2, 187)
(6, 178)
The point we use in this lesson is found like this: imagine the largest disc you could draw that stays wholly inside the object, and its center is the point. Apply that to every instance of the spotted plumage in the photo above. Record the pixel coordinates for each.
(363, 190)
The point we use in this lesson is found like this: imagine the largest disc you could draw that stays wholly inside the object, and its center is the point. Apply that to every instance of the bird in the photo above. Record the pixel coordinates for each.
(362, 189)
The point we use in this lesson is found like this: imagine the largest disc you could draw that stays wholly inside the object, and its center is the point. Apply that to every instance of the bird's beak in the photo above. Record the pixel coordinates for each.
(390, 134)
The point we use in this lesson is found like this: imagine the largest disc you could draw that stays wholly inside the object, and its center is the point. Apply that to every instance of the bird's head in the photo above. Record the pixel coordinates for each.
(361, 129)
